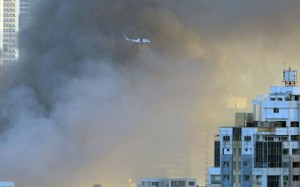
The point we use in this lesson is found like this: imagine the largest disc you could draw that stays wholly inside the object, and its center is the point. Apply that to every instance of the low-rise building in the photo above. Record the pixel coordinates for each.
(168, 182)
(7, 184)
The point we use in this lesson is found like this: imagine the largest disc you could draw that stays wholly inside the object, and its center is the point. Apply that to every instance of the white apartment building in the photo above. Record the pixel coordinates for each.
(168, 182)
(9, 26)
(7, 184)
(13, 16)
(264, 150)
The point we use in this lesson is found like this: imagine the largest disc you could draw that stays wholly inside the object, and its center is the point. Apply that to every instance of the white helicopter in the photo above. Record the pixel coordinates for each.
(141, 40)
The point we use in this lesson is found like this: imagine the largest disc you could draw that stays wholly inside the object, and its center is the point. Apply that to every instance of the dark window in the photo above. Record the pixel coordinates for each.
(237, 134)
(225, 164)
(246, 177)
(275, 110)
(273, 181)
(191, 183)
(217, 153)
(296, 151)
(296, 177)
(294, 137)
(268, 154)
(285, 151)
(226, 177)
(294, 124)
(247, 138)
(226, 138)
(296, 164)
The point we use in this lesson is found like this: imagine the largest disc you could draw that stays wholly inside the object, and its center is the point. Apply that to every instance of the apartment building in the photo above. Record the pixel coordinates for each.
(168, 182)
(262, 149)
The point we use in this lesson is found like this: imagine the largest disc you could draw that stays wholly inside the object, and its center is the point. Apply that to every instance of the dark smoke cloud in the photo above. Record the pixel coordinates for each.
(84, 106)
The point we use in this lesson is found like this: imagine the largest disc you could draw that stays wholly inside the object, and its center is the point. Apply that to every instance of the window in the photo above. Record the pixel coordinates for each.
(285, 151)
(285, 164)
(216, 179)
(191, 183)
(296, 177)
(294, 137)
(246, 164)
(296, 151)
(177, 183)
(247, 138)
(226, 164)
(269, 138)
(294, 124)
(273, 181)
(296, 164)
(226, 177)
(246, 177)
(236, 134)
(286, 177)
(226, 138)
(268, 154)
(257, 180)
(275, 110)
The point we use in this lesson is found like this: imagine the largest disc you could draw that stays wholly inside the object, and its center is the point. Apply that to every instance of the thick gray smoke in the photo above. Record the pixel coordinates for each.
(84, 106)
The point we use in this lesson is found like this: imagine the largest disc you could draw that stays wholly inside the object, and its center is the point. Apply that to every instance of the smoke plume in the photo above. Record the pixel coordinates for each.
(85, 106)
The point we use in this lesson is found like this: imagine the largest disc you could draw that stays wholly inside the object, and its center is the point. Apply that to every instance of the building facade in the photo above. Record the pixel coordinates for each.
(168, 182)
(24, 18)
(262, 149)
(7, 184)
(14, 15)
(9, 26)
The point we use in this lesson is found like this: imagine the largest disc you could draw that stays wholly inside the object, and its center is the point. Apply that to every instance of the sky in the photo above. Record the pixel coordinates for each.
(84, 106)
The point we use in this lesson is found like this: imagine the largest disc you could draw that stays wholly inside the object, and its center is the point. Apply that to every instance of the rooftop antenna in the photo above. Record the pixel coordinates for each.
(289, 77)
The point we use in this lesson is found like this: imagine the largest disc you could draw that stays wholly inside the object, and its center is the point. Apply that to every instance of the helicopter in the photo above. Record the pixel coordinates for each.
(141, 40)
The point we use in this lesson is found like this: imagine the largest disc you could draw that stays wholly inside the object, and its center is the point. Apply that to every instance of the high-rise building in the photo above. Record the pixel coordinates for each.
(24, 13)
(14, 15)
(9, 26)
(262, 149)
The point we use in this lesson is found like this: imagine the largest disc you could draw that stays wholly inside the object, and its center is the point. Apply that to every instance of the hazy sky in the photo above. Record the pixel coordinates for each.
(84, 106)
